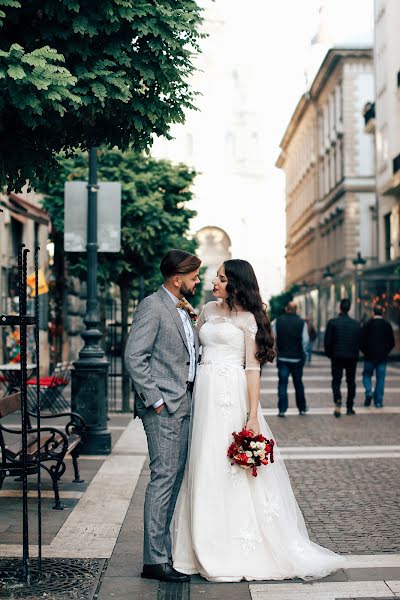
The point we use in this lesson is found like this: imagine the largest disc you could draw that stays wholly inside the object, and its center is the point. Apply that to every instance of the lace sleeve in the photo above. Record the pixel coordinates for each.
(202, 319)
(250, 330)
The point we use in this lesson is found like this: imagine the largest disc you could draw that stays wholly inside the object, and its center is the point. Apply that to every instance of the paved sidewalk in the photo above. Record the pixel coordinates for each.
(345, 473)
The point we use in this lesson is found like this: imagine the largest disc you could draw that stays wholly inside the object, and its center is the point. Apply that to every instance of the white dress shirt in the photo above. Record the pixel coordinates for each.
(187, 325)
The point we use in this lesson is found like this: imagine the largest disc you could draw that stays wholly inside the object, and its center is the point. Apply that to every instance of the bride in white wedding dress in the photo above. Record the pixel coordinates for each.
(229, 525)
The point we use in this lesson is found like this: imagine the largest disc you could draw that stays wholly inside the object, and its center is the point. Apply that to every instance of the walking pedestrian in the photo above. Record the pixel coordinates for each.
(291, 343)
(377, 340)
(312, 335)
(342, 346)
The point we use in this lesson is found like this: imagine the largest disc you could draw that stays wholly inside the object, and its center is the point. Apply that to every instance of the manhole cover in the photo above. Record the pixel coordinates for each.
(60, 578)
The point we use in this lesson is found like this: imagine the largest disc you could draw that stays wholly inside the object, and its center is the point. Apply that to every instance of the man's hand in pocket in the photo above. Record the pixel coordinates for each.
(159, 408)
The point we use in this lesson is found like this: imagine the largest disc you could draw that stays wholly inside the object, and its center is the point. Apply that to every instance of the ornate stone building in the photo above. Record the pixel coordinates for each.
(381, 282)
(328, 160)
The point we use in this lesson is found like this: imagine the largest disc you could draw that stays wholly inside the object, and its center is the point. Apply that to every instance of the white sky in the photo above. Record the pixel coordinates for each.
(273, 38)
(269, 43)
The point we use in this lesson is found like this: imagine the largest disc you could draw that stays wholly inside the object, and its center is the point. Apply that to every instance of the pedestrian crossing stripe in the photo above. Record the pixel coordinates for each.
(332, 590)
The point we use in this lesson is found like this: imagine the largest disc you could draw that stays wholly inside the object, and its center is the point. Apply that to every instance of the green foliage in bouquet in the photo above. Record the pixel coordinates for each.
(77, 73)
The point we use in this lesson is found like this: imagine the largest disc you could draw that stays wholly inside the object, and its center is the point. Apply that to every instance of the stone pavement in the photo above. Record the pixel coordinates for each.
(345, 473)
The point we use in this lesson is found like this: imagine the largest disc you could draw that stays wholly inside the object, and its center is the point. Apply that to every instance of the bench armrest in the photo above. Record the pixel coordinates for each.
(73, 422)
(51, 444)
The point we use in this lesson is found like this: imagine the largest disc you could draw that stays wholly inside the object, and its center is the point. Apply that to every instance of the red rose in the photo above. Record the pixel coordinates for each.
(247, 433)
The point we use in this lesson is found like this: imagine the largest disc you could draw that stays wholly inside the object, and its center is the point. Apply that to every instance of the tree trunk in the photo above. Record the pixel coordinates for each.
(126, 383)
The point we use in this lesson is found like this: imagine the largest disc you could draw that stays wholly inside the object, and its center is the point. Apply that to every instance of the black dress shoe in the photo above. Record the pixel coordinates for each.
(350, 411)
(164, 572)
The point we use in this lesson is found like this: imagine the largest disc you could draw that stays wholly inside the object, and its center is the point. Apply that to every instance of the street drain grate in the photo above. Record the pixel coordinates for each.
(61, 578)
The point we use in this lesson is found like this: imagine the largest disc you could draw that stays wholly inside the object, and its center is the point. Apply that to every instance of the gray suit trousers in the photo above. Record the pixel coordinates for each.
(167, 438)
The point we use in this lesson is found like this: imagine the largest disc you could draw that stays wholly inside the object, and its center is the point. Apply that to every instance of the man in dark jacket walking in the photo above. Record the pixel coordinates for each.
(291, 342)
(377, 340)
(342, 345)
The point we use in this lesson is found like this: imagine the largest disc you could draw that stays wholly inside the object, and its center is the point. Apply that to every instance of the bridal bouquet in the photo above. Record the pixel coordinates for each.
(250, 451)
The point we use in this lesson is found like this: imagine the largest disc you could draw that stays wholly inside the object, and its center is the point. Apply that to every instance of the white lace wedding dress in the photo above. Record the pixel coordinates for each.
(229, 525)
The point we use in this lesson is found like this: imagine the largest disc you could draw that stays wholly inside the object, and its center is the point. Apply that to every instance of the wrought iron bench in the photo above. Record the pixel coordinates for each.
(49, 445)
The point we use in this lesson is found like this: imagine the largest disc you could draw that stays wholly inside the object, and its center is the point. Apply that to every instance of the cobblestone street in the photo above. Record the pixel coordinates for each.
(345, 474)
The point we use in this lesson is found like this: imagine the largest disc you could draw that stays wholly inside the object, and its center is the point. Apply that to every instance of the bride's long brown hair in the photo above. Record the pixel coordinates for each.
(243, 291)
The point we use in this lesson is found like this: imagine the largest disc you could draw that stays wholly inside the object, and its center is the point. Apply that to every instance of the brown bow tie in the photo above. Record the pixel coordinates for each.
(182, 304)
(186, 306)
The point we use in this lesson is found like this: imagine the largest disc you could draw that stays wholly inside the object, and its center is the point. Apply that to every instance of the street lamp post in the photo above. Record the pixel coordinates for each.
(89, 377)
(359, 263)
(327, 277)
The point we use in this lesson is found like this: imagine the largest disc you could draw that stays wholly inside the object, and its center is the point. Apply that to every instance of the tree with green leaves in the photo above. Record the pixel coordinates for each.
(76, 74)
(154, 219)
(277, 303)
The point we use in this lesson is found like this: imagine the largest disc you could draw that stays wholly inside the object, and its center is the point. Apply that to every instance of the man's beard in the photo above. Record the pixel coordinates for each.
(188, 294)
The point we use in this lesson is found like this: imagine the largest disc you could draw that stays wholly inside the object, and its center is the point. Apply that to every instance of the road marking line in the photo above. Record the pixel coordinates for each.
(311, 449)
(322, 390)
(275, 378)
(333, 456)
(45, 494)
(322, 591)
(325, 410)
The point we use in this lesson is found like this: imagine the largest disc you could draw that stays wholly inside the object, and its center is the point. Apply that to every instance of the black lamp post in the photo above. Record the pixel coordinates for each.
(89, 378)
(359, 263)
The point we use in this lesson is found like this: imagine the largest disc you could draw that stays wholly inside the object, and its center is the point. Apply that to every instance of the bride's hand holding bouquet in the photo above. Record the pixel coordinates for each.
(253, 425)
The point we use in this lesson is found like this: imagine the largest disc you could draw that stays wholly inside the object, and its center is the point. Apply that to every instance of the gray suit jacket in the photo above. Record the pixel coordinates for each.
(157, 355)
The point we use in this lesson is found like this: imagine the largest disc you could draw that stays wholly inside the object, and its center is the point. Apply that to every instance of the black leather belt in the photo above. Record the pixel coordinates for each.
(190, 386)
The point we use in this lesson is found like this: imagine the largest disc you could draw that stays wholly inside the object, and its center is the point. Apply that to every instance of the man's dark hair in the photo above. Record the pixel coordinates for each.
(378, 310)
(178, 262)
(291, 308)
(345, 305)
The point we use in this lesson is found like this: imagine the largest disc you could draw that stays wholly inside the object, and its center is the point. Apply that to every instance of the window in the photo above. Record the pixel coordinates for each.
(16, 236)
(388, 233)
(382, 146)
(396, 164)
(36, 235)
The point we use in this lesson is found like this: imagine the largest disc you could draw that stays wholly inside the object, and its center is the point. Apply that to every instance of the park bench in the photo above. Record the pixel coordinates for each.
(50, 444)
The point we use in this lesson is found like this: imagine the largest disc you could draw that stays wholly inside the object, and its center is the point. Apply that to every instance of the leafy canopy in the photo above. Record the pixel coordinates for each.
(78, 73)
(153, 212)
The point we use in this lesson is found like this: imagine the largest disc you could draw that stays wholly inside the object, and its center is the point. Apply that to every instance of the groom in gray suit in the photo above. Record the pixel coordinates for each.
(161, 358)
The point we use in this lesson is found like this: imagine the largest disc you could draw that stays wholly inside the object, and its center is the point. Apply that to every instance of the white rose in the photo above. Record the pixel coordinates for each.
(248, 453)
(253, 445)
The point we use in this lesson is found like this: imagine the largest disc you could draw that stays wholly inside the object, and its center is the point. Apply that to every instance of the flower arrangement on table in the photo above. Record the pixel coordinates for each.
(250, 451)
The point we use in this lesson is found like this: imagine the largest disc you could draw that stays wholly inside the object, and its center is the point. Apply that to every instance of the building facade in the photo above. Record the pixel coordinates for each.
(387, 127)
(224, 143)
(328, 161)
(21, 221)
(381, 282)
